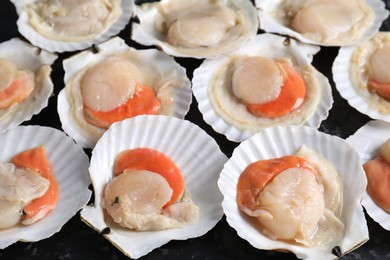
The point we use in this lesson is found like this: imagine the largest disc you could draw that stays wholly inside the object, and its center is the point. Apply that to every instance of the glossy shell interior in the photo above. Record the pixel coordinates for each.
(347, 83)
(200, 162)
(266, 45)
(285, 140)
(156, 60)
(146, 31)
(26, 56)
(52, 45)
(367, 141)
(270, 24)
(70, 167)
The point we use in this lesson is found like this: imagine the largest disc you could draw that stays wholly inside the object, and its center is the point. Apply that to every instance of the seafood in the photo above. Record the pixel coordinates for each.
(62, 180)
(69, 25)
(338, 197)
(322, 22)
(301, 191)
(368, 141)
(166, 140)
(268, 81)
(195, 28)
(116, 83)
(361, 77)
(25, 83)
(378, 175)
(147, 192)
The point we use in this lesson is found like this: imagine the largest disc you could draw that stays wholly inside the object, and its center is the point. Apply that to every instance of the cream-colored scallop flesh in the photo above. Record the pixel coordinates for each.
(139, 191)
(19, 184)
(291, 205)
(90, 78)
(325, 20)
(64, 19)
(379, 63)
(256, 79)
(330, 180)
(202, 27)
(195, 28)
(10, 213)
(109, 84)
(21, 88)
(8, 71)
(385, 150)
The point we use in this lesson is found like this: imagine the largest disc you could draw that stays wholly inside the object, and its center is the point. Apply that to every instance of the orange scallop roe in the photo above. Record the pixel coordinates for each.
(18, 90)
(35, 159)
(378, 182)
(154, 161)
(291, 96)
(143, 102)
(382, 89)
(258, 174)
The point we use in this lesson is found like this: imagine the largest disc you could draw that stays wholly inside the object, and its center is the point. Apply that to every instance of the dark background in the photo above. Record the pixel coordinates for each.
(78, 241)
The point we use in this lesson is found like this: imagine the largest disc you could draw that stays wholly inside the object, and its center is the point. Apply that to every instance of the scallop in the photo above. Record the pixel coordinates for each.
(63, 25)
(321, 22)
(367, 141)
(322, 150)
(25, 84)
(19, 184)
(255, 68)
(361, 76)
(70, 168)
(194, 152)
(199, 29)
(102, 81)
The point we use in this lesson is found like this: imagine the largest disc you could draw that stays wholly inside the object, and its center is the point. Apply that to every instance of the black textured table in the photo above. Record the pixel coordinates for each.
(78, 241)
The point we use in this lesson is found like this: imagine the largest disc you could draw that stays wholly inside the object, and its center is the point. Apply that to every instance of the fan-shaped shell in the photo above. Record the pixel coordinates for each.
(53, 44)
(26, 56)
(70, 167)
(279, 141)
(164, 71)
(150, 30)
(367, 141)
(235, 122)
(349, 76)
(273, 20)
(195, 153)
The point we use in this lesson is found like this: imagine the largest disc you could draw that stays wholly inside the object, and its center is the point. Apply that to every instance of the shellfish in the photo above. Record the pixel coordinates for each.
(195, 28)
(199, 162)
(116, 83)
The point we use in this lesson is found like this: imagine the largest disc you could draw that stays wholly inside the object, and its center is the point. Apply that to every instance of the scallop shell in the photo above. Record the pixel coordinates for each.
(146, 31)
(26, 56)
(193, 151)
(267, 45)
(53, 45)
(70, 167)
(367, 141)
(280, 141)
(157, 60)
(347, 84)
(271, 24)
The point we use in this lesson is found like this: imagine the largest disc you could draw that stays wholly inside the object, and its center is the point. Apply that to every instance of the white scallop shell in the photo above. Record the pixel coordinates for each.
(52, 45)
(267, 45)
(26, 56)
(195, 153)
(367, 141)
(345, 85)
(157, 60)
(70, 167)
(280, 141)
(146, 31)
(270, 24)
